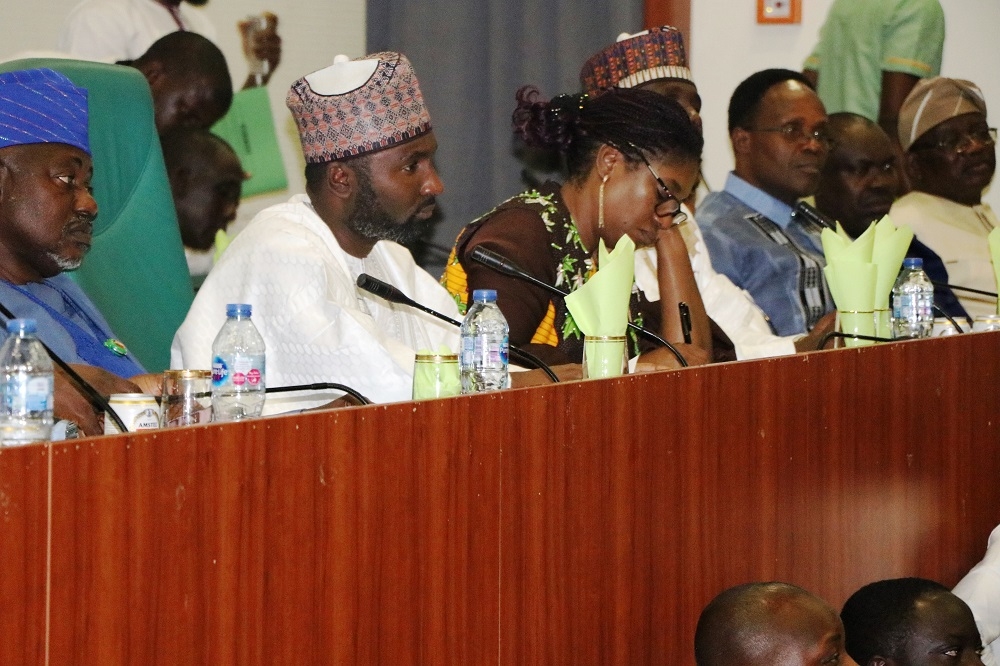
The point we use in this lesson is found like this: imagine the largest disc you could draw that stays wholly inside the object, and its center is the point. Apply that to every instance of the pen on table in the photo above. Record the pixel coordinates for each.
(685, 321)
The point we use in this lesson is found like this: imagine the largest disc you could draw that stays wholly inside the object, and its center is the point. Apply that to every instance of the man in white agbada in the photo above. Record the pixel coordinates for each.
(370, 184)
(951, 159)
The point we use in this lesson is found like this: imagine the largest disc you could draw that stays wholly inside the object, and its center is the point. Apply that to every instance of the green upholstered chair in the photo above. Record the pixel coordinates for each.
(135, 272)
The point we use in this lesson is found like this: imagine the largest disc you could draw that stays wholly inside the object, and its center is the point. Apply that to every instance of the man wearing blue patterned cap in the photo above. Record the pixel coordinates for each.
(46, 219)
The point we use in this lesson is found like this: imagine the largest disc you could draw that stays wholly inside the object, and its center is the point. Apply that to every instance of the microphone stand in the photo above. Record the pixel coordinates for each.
(968, 289)
(319, 386)
(499, 263)
(390, 293)
(856, 336)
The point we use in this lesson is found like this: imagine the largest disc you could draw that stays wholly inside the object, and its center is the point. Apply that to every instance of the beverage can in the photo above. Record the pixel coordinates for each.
(138, 411)
(986, 323)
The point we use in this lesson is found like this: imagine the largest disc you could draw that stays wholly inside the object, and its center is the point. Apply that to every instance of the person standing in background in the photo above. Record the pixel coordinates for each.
(117, 30)
(872, 52)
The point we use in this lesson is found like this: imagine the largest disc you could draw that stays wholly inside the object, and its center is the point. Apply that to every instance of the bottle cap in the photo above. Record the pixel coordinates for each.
(238, 310)
(488, 295)
(913, 262)
(22, 326)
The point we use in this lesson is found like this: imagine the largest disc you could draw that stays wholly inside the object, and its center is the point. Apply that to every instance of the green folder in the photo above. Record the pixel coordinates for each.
(249, 129)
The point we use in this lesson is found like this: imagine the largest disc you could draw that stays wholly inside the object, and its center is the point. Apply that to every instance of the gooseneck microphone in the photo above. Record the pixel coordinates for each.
(319, 386)
(501, 264)
(390, 293)
(981, 292)
(814, 216)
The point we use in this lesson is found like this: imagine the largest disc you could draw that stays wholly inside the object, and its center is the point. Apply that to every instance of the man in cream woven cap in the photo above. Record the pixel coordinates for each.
(370, 184)
(655, 59)
(950, 153)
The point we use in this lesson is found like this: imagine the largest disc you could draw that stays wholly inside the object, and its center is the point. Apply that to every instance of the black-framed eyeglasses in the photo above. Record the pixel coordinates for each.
(959, 144)
(796, 133)
(669, 205)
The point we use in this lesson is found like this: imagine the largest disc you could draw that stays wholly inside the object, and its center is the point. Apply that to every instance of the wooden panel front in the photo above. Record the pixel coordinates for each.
(581, 523)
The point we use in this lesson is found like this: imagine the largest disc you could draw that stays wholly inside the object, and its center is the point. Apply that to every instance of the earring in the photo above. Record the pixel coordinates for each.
(600, 203)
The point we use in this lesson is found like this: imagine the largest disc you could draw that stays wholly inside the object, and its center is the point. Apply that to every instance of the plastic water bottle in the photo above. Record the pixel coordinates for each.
(483, 359)
(912, 302)
(237, 367)
(26, 386)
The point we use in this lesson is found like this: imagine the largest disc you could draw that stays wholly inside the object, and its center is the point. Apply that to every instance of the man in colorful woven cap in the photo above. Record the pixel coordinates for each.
(950, 154)
(370, 184)
(655, 59)
(46, 219)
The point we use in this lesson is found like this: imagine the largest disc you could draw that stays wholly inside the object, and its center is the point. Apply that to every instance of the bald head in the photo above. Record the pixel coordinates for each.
(772, 624)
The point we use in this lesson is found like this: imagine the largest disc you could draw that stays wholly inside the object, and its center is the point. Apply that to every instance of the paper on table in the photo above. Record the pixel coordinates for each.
(852, 285)
(436, 380)
(600, 305)
(994, 242)
(837, 246)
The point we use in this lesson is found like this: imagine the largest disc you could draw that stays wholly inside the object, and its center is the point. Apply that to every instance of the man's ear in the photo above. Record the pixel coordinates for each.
(740, 139)
(341, 180)
(180, 179)
(911, 164)
(5, 183)
(152, 70)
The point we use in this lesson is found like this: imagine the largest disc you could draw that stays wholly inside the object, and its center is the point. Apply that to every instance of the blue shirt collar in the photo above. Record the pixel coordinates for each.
(777, 211)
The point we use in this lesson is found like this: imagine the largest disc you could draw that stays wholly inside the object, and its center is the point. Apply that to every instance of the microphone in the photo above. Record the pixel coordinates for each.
(811, 214)
(96, 399)
(855, 336)
(501, 264)
(319, 386)
(991, 294)
(390, 293)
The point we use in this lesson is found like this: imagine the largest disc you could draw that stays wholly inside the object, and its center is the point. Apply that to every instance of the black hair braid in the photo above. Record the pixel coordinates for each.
(629, 120)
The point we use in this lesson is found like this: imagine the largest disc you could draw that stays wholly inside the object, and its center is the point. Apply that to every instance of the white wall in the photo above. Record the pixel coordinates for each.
(313, 32)
(727, 45)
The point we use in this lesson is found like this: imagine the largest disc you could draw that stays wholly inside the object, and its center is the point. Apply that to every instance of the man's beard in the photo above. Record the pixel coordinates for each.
(65, 264)
(371, 221)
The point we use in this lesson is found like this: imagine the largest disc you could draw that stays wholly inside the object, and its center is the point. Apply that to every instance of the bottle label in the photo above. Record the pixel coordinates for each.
(484, 351)
(220, 371)
(27, 394)
(240, 370)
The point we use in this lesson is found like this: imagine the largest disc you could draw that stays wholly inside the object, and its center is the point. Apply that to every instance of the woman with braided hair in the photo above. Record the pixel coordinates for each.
(630, 157)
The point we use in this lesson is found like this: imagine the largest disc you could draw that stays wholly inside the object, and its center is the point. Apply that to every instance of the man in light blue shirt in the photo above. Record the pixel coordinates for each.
(777, 126)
